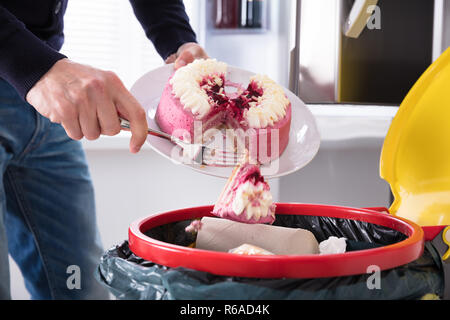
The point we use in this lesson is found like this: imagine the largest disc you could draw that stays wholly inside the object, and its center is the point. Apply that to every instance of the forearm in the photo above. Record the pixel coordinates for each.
(24, 58)
(165, 23)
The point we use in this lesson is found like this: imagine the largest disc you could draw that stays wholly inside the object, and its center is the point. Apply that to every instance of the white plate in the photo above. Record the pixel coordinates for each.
(304, 138)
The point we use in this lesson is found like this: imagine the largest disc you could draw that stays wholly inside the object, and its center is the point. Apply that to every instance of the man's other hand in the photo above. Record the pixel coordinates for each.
(187, 53)
(87, 102)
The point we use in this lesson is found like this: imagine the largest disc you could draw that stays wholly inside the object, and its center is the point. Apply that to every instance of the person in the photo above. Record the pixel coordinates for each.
(47, 104)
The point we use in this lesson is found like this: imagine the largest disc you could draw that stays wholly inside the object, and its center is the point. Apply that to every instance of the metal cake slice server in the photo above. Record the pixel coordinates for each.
(198, 153)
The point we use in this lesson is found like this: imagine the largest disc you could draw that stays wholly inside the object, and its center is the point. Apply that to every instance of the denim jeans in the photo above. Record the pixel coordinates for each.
(47, 208)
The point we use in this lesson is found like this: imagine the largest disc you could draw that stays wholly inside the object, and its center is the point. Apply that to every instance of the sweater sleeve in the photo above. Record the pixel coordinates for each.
(165, 23)
(24, 58)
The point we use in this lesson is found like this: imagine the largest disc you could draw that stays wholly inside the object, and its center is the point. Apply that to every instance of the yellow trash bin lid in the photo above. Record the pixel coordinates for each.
(415, 159)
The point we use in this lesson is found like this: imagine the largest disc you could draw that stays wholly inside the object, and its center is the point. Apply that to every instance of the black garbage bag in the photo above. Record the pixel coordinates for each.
(131, 277)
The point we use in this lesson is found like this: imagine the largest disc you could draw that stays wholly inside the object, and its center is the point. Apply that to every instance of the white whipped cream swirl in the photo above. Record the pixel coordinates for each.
(270, 107)
(253, 199)
(186, 84)
(267, 110)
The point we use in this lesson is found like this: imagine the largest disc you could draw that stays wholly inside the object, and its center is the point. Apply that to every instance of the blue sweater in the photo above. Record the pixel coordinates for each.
(31, 34)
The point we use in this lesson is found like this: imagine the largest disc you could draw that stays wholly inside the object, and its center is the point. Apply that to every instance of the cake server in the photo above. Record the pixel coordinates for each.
(198, 153)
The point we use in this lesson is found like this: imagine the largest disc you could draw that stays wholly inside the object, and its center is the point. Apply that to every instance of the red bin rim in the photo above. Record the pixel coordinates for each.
(280, 266)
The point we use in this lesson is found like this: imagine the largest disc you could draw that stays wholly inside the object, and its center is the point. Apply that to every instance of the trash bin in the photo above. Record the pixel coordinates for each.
(389, 257)
(395, 261)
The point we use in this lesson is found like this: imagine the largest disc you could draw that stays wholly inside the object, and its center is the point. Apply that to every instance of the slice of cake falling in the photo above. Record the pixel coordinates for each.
(246, 197)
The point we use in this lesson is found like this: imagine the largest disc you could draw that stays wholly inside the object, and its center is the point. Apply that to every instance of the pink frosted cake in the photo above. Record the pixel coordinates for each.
(246, 197)
(195, 100)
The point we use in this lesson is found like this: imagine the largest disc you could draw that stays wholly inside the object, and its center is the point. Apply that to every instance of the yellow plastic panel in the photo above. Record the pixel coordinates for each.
(415, 159)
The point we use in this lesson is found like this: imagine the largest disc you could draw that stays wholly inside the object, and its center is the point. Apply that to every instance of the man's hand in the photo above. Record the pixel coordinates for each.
(87, 102)
(187, 53)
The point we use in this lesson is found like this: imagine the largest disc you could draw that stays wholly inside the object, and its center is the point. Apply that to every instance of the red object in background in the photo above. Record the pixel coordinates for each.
(226, 14)
(280, 266)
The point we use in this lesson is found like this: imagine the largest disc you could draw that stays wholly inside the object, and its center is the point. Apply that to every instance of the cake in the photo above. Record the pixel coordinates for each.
(198, 97)
(246, 197)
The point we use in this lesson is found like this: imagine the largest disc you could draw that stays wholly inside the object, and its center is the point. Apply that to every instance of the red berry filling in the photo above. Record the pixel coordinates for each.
(251, 173)
(214, 86)
(255, 177)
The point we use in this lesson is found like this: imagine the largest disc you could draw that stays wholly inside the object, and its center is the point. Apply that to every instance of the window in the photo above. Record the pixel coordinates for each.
(105, 34)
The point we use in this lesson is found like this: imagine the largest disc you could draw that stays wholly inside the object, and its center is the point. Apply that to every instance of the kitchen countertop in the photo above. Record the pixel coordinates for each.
(336, 123)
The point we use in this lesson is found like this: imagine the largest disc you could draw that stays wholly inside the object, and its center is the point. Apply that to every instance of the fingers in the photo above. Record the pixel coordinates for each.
(106, 113)
(66, 114)
(87, 101)
(171, 58)
(183, 59)
(89, 122)
(138, 122)
(73, 129)
(187, 53)
(130, 108)
(99, 113)
(108, 119)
